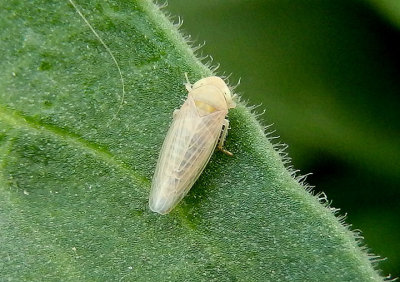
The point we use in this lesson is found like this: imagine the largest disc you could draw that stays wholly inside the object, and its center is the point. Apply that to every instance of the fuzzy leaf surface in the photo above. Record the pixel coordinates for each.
(78, 149)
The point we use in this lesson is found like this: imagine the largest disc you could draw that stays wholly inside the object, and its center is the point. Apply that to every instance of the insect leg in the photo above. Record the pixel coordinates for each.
(188, 85)
(221, 141)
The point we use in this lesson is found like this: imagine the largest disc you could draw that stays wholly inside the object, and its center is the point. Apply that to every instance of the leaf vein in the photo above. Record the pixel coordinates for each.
(19, 120)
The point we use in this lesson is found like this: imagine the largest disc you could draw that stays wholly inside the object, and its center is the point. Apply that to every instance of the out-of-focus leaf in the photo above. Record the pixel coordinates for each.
(77, 155)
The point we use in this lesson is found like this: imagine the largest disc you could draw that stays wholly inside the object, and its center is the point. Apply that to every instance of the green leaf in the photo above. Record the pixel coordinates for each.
(389, 9)
(79, 144)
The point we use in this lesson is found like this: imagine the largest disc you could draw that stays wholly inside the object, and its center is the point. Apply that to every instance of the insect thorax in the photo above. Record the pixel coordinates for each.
(209, 99)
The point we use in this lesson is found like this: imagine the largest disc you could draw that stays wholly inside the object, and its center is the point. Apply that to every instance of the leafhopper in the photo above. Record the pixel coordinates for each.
(198, 127)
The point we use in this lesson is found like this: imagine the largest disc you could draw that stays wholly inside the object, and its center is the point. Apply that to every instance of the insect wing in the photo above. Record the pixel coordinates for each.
(186, 151)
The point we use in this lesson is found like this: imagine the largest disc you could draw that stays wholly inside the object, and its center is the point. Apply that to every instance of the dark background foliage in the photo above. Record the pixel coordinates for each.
(327, 73)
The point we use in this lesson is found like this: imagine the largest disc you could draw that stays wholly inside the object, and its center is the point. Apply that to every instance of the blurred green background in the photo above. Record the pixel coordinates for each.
(327, 73)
